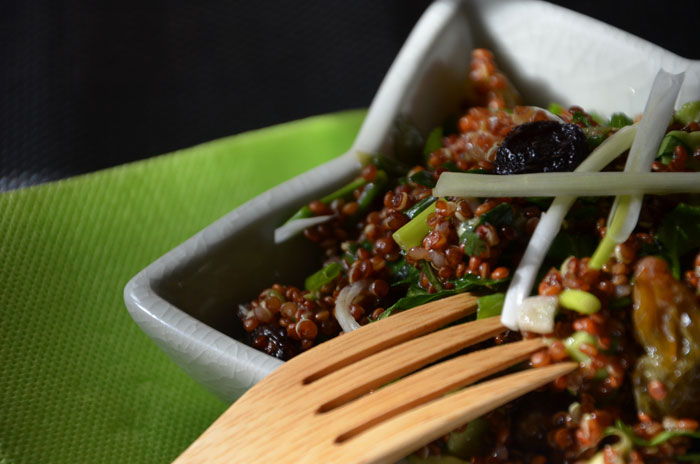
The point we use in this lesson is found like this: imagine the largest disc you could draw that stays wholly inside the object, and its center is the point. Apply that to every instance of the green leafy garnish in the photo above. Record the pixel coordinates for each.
(323, 276)
(473, 244)
(432, 278)
(403, 273)
(411, 301)
(416, 209)
(501, 215)
(490, 305)
(659, 438)
(579, 117)
(689, 112)
(417, 296)
(345, 191)
(425, 178)
(679, 233)
(689, 140)
(555, 108)
(618, 120)
(370, 191)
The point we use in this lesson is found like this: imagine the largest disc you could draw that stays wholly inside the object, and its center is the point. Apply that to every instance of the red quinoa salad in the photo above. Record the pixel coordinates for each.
(617, 288)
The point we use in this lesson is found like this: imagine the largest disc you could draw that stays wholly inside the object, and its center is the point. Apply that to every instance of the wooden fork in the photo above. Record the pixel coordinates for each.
(332, 403)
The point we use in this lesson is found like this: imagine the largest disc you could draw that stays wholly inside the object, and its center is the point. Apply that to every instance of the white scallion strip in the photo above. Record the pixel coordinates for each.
(343, 302)
(550, 223)
(580, 184)
(624, 213)
(655, 119)
(537, 314)
(291, 228)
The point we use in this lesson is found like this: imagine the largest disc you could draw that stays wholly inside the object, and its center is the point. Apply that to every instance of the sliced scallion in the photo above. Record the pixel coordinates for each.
(626, 208)
(580, 184)
(413, 232)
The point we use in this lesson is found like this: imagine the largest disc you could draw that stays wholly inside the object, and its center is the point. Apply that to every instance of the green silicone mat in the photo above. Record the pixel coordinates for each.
(79, 381)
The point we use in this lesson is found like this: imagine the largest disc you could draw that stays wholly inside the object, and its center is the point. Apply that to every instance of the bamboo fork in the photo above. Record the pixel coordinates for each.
(326, 405)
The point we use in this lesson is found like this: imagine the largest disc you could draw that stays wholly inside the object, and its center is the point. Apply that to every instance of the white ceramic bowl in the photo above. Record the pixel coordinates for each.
(185, 299)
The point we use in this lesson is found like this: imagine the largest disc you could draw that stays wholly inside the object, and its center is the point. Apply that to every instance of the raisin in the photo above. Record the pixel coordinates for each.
(666, 317)
(542, 146)
(279, 344)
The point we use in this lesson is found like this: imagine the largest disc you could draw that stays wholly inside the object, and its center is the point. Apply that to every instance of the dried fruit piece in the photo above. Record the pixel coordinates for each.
(541, 146)
(666, 319)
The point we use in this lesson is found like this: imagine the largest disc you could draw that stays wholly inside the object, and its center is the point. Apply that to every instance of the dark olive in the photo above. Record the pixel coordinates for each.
(542, 146)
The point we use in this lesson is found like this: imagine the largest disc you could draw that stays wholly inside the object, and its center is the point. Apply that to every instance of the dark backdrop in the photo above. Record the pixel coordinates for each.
(85, 85)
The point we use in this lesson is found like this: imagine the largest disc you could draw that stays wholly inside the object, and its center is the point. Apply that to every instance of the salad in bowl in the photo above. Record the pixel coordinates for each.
(581, 229)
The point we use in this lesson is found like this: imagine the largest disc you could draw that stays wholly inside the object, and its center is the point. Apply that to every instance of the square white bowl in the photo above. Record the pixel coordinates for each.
(185, 301)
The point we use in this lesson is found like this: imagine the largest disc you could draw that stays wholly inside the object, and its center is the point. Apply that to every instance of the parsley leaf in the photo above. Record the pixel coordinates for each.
(679, 233)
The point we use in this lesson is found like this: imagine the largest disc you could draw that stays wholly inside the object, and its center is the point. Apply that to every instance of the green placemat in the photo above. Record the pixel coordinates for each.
(79, 381)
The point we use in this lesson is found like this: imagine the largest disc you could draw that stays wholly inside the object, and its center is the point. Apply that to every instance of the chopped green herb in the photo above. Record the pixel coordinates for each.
(618, 120)
(403, 273)
(411, 301)
(490, 305)
(473, 244)
(659, 438)
(418, 207)
(689, 112)
(555, 108)
(689, 140)
(425, 178)
(679, 233)
(501, 215)
(579, 117)
(323, 276)
(371, 191)
(417, 296)
(344, 191)
(432, 278)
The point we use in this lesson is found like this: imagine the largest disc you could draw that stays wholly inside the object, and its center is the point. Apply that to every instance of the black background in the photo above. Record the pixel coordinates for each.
(87, 85)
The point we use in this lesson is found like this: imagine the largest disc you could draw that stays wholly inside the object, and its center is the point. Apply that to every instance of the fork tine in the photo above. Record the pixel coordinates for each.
(380, 368)
(428, 384)
(406, 325)
(418, 427)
